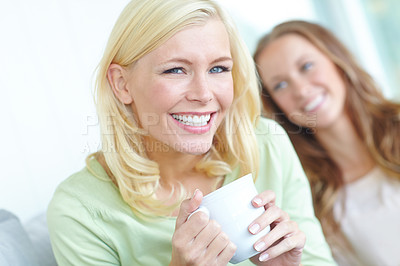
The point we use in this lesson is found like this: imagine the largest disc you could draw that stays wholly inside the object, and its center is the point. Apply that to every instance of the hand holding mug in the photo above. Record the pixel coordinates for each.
(284, 244)
(234, 218)
(199, 240)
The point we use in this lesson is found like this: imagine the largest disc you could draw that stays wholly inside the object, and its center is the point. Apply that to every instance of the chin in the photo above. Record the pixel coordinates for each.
(195, 148)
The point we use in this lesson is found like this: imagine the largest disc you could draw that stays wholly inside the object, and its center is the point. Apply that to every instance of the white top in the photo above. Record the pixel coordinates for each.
(371, 221)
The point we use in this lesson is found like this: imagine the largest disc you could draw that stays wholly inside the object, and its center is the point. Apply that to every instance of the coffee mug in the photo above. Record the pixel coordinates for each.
(231, 207)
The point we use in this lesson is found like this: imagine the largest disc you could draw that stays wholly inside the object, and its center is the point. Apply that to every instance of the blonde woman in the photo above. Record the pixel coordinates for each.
(346, 134)
(173, 91)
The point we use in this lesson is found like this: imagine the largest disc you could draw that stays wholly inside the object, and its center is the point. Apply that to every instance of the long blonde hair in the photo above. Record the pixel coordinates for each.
(375, 119)
(143, 26)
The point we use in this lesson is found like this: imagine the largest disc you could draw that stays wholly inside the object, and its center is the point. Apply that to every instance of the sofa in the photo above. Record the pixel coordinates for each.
(25, 244)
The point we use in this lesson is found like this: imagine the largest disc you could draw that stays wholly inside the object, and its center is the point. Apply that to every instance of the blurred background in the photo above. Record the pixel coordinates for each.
(49, 50)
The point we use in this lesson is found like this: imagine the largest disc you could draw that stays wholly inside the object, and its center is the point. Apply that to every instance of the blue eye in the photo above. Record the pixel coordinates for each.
(307, 66)
(280, 85)
(219, 69)
(176, 70)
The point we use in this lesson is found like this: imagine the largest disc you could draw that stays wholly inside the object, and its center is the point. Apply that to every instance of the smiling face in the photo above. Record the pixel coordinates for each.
(182, 90)
(303, 82)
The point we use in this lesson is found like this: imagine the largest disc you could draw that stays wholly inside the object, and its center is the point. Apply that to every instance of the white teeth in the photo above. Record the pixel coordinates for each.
(319, 99)
(194, 121)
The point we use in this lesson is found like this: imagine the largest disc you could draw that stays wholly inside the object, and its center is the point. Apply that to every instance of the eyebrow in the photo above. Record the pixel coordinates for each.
(275, 79)
(304, 57)
(222, 58)
(279, 77)
(185, 61)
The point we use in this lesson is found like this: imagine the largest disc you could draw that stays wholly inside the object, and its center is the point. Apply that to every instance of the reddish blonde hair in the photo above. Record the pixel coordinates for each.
(376, 119)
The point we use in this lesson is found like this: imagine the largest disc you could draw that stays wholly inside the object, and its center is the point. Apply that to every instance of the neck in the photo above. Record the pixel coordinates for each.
(179, 168)
(347, 150)
(174, 165)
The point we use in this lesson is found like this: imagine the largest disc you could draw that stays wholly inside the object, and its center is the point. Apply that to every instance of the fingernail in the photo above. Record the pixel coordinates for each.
(257, 201)
(259, 246)
(194, 193)
(254, 228)
(263, 257)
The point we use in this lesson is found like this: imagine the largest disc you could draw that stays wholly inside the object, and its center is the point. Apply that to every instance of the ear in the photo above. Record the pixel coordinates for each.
(116, 76)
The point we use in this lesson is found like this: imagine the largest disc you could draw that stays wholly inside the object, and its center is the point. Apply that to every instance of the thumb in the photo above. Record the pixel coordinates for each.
(188, 206)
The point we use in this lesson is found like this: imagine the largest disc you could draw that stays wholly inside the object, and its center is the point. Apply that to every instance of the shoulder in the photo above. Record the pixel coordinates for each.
(88, 192)
(275, 151)
(268, 126)
(271, 136)
(88, 213)
(86, 205)
(281, 171)
(280, 168)
(86, 185)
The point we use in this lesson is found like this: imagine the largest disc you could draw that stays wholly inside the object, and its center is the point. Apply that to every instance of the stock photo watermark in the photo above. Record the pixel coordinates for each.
(152, 121)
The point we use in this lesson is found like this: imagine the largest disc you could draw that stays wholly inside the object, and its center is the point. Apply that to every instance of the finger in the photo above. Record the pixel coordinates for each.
(226, 255)
(188, 206)
(189, 231)
(207, 244)
(279, 233)
(207, 235)
(200, 209)
(185, 235)
(267, 197)
(293, 243)
(217, 245)
(271, 215)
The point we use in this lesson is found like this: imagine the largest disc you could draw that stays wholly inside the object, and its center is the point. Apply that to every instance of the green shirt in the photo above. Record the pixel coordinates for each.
(90, 224)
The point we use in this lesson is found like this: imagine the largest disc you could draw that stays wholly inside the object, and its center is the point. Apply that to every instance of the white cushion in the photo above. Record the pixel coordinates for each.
(39, 235)
(16, 248)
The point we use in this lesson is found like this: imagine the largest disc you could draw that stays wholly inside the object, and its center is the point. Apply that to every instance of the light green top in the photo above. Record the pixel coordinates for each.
(90, 224)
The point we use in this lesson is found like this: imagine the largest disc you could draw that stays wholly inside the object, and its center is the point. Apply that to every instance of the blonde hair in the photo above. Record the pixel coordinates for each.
(143, 26)
(375, 119)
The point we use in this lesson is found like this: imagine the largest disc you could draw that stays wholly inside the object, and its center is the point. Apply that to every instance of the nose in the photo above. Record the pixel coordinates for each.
(301, 87)
(199, 90)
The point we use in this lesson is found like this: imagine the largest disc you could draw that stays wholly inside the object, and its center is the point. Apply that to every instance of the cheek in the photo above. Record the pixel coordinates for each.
(323, 76)
(340, 83)
(224, 94)
(327, 73)
(285, 102)
(149, 107)
(334, 82)
(161, 96)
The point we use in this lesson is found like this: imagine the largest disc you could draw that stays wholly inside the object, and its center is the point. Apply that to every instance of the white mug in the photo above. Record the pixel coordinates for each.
(231, 207)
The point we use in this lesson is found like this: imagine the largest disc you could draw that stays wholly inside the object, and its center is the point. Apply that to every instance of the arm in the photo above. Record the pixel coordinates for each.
(281, 171)
(75, 236)
(298, 203)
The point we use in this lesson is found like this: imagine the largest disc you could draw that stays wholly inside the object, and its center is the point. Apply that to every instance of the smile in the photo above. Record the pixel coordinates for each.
(192, 120)
(314, 103)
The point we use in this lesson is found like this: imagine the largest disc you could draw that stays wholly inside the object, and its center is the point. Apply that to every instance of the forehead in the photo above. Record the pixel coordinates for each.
(210, 37)
(286, 49)
(289, 45)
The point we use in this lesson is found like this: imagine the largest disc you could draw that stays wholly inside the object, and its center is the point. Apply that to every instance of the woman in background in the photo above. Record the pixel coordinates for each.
(173, 90)
(346, 134)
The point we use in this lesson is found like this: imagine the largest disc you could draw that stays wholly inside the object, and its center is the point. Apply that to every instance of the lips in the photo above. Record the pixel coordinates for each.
(192, 120)
(312, 105)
